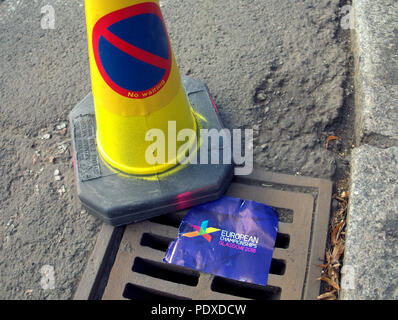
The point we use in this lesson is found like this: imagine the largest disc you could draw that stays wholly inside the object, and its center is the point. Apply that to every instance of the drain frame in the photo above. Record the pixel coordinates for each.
(109, 268)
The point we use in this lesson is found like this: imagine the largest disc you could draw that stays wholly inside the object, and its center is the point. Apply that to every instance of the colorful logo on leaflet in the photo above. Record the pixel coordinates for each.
(203, 231)
(132, 50)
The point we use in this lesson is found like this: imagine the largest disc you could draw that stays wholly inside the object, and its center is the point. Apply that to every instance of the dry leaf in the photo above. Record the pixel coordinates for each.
(330, 139)
(344, 201)
(333, 237)
(332, 274)
(328, 257)
(338, 251)
(327, 295)
(330, 282)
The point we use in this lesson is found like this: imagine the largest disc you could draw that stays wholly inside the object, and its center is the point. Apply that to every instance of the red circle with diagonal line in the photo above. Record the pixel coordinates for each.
(126, 58)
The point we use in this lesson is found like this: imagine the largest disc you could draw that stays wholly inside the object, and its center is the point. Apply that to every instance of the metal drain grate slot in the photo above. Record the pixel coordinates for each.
(245, 290)
(285, 215)
(303, 205)
(155, 241)
(282, 240)
(135, 292)
(166, 271)
(277, 267)
(171, 219)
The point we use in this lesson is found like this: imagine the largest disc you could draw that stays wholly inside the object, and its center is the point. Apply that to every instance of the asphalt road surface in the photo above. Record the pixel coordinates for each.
(279, 67)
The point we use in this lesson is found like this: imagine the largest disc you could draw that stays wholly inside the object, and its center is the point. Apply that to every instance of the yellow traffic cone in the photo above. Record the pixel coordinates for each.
(137, 88)
(136, 83)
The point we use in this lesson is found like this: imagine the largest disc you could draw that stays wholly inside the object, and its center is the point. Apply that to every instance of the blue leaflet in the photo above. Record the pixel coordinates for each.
(229, 237)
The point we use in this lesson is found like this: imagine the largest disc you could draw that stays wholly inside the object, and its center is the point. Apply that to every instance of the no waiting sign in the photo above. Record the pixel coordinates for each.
(132, 50)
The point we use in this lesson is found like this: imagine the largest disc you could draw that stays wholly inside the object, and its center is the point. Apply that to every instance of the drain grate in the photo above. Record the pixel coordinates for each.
(139, 273)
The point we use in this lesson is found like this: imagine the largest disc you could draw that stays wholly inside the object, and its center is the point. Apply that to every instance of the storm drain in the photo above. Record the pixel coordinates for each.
(137, 271)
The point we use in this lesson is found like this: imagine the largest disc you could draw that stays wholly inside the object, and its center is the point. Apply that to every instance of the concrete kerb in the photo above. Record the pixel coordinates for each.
(370, 269)
(370, 259)
(375, 47)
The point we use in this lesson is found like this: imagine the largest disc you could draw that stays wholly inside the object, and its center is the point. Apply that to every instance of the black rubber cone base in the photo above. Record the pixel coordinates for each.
(120, 199)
